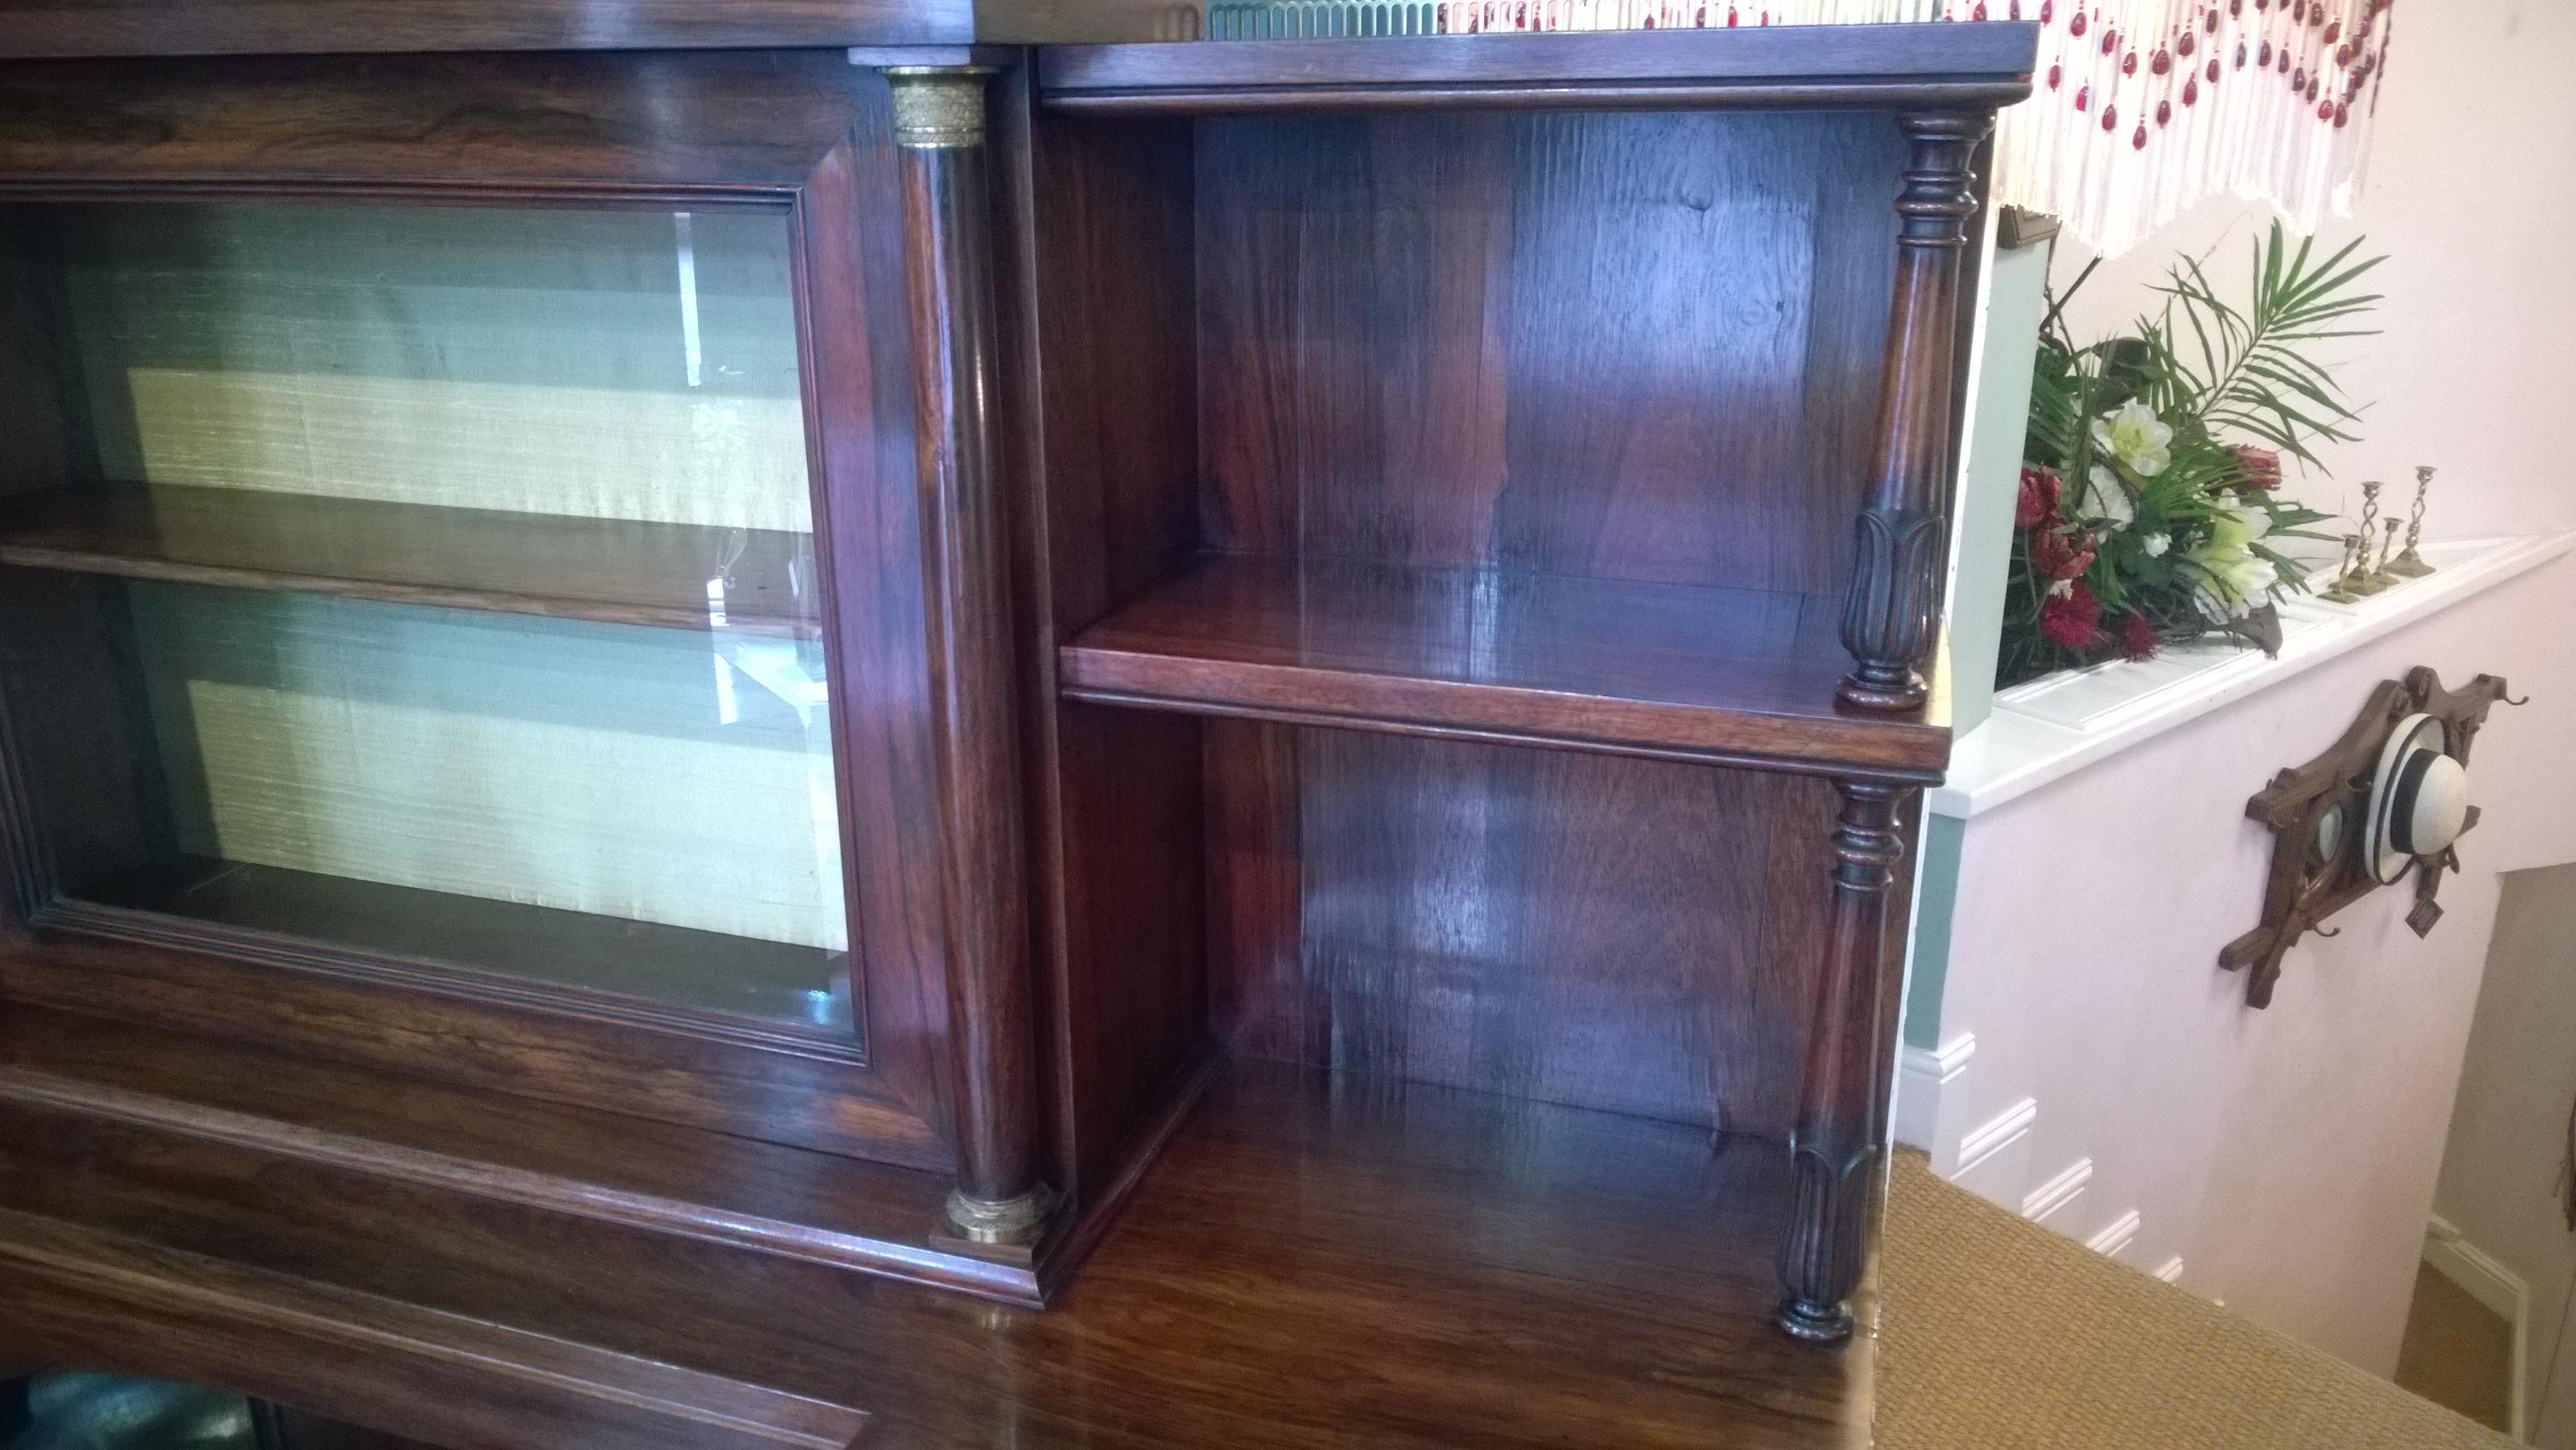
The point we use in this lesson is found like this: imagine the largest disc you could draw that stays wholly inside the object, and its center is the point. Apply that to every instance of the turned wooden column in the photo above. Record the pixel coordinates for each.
(939, 138)
(1892, 619)
(1834, 1149)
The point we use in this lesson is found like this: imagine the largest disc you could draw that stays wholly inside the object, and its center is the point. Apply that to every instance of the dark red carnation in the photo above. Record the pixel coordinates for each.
(2135, 638)
(2258, 468)
(2073, 620)
(2040, 492)
(2055, 554)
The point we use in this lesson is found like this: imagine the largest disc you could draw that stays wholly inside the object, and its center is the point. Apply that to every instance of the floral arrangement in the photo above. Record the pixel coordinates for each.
(2150, 501)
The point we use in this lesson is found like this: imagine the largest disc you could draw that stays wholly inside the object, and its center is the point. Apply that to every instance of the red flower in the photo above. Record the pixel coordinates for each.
(2258, 468)
(2073, 620)
(2040, 492)
(2135, 638)
(2059, 555)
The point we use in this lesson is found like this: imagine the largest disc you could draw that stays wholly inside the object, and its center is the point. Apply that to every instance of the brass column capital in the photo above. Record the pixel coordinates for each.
(938, 107)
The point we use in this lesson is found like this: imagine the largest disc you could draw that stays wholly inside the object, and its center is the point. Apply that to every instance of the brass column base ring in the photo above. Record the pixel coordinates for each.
(1010, 1221)
(938, 107)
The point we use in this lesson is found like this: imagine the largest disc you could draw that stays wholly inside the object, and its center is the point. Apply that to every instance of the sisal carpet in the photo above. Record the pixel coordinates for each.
(1997, 1334)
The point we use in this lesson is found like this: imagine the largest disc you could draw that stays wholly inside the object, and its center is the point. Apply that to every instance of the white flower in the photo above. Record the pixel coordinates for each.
(2156, 544)
(2236, 524)
(2232, 579)
(2106, 499)
(2251, 577)
(2060, 588)
(2136, 437)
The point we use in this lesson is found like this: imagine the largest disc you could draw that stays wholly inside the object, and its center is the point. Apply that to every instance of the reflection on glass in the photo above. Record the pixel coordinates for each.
(455, 571)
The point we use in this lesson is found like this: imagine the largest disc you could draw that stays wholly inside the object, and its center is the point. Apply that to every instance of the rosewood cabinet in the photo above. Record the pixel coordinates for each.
(473, 611)
(890, 736)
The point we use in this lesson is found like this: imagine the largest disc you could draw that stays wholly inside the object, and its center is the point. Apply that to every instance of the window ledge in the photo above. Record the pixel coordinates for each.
(2050, 728)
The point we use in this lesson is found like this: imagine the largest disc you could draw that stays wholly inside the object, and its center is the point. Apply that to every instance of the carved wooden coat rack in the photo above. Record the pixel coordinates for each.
(2318, 811)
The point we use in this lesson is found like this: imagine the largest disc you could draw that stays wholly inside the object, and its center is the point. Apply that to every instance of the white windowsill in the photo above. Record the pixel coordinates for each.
(2048, 729)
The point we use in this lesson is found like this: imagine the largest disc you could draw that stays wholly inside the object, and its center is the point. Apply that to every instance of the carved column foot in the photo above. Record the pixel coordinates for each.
(1828, 1324)
(1834, 1150)
(1821, 1259)
(1883, 686)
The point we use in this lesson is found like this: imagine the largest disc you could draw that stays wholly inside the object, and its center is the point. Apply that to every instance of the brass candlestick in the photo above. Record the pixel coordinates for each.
(2411, 565)
(2340, 591)
(2367, 580)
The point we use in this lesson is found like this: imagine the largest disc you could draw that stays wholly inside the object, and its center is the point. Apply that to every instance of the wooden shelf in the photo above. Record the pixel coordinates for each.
(1949, 64)
(1319, 1259)
(614, 570)
(1671, 671)
(660, 967)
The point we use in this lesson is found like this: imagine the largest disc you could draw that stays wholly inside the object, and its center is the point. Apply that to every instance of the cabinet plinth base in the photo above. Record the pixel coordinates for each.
(1287, 1273)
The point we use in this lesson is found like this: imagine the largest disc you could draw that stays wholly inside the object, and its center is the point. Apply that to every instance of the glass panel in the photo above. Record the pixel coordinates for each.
(445, 579)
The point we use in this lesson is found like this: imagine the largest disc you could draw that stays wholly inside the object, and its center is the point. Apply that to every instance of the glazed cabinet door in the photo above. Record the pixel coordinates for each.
(460, 579)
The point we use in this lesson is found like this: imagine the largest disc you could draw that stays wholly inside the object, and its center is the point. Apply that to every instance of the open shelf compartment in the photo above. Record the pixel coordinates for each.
(1667, 670)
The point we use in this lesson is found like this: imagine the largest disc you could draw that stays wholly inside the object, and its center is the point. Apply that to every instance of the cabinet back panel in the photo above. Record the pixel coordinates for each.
(1627, 346)
(492, 756)
(1603, 932)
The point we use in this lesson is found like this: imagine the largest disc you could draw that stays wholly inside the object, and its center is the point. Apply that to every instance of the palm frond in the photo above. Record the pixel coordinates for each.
(2245, 371)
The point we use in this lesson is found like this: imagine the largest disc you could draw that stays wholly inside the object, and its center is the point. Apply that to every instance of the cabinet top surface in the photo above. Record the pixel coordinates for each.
(1967, 64)
(1099, 45)
(53, 29)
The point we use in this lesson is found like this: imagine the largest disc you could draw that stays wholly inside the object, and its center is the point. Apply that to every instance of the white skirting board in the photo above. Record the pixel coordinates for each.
(2115, 1238)
(1922, 1076)
(2053, 1196)
(2493, 1285)
(1993, 1159)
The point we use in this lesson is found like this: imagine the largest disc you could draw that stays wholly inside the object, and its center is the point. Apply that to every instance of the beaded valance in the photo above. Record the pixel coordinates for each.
(2139, 108)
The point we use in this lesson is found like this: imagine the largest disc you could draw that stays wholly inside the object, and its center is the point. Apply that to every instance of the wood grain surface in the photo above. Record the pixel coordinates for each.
(1621, 347)
(369, 1357)
(59, 28)
(382, 126)
(1315, 1261)
(82, 1088)
(1614, 934)
(1676, 670)
(1103, 326)
(1791, 66)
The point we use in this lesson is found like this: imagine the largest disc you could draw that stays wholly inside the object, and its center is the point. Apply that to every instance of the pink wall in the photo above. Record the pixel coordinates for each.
(2287, 1156)
(2471, 193)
